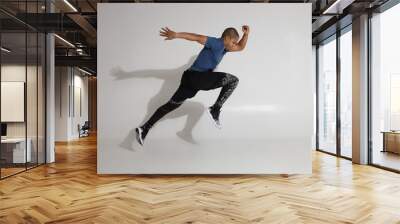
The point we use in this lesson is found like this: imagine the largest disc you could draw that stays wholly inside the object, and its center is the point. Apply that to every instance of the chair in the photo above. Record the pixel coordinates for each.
(84, 130)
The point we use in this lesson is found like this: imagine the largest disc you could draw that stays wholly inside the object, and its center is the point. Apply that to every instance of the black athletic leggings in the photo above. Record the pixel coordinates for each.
(191, 83)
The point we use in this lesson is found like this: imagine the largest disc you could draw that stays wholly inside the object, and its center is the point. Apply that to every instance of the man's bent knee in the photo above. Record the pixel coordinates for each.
(230, 79)
(235, 80)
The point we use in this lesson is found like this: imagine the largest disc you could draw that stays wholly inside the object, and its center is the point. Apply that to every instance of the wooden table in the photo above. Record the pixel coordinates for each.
(391, 141)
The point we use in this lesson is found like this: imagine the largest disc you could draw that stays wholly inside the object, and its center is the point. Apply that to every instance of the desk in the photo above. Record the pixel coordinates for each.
(13, 150)
(391, 141)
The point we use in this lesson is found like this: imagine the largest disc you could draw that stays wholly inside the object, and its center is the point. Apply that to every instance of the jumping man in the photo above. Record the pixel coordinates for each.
(201, 75)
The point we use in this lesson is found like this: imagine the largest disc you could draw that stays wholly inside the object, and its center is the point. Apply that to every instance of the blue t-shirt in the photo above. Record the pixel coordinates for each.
(210, 56)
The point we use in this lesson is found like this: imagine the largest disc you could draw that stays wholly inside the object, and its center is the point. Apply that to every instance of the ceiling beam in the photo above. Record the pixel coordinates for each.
(337, 7)
(82, 61)
(86, 26)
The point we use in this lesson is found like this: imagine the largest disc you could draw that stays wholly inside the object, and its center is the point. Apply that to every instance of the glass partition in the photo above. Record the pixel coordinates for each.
(22, 101)
(32, 95)
(14, 153)
(41, 97)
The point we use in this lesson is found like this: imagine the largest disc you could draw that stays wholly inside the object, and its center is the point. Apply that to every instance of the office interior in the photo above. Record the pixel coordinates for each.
(48, 99)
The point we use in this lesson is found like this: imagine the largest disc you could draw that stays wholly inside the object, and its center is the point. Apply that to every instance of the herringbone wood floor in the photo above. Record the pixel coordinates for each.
(70, 191)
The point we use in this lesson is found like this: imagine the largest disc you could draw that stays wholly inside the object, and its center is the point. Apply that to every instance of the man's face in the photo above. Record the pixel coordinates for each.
(229, 42)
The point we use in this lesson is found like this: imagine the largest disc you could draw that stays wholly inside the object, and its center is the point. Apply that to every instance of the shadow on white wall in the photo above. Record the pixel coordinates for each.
(170, 80)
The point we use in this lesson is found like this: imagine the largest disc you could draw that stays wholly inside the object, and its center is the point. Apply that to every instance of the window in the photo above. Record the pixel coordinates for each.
(327, 96)
(346, 93)
(385, 89)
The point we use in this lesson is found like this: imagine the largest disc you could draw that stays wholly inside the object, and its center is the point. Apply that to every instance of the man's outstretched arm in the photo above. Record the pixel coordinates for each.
(242, 43)
(169, 35)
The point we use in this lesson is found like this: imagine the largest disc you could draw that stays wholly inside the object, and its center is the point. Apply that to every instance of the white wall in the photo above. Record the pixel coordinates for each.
(67, 81)
(80, 83)
(268, 121)
(61, 103)
(18, 73)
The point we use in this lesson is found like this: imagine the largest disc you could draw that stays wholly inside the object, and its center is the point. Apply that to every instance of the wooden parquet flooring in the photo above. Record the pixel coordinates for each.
(70, 191)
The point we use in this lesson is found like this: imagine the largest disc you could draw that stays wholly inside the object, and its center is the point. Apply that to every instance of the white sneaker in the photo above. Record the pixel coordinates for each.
(139, 135)
(214, 115)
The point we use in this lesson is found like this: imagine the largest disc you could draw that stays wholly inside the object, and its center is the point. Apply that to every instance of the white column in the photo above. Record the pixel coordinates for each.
(360, 90)
(50, 79)
(50, 91)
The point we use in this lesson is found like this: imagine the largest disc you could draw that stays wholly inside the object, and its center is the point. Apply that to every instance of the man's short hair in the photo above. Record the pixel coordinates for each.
(230, 32)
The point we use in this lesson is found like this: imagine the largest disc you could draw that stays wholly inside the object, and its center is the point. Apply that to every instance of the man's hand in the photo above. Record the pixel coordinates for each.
(167, 33)
(245, 29)
(242, 43)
